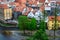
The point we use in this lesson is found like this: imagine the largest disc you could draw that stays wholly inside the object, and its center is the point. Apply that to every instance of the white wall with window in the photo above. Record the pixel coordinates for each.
(48, 8)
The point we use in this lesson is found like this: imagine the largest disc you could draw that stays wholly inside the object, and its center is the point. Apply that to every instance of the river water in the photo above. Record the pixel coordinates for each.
(14, 36)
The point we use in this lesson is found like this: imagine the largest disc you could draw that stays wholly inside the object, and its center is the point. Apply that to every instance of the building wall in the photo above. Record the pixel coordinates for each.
(7, 13)
(51, 24)
(1, 14)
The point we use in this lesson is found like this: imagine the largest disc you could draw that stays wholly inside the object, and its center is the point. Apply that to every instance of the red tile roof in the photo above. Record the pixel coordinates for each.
(20, 1)
(58, 18)
(30, 2)
(19, 8)
(42, 8)
(3, 6)
(42, 1)
(58, 2)
(14, 3)
(0, 0)
(53, 17)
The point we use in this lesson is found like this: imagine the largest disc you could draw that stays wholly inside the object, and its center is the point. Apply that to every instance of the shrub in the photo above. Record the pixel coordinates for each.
(22, 23)
(25, 23)
(42, 25)
(40, 35)
(33, 24)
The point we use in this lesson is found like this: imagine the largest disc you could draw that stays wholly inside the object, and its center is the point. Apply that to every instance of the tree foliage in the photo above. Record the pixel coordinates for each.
(22, 22)
(25, 23)
(40, 34)
(33, 24)
(42, 25)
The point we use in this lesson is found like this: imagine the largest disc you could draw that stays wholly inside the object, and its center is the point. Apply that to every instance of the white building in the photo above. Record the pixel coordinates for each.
(38, 15)
(49, 4)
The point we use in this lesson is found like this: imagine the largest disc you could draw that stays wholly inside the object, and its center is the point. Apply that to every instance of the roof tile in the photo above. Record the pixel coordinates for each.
(53, 17)
(3, 6)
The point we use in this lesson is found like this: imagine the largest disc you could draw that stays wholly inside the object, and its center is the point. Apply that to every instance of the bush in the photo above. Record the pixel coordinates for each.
(25, 23)
(40, 34)
(22, 23)
(42, 25)
(33, 24)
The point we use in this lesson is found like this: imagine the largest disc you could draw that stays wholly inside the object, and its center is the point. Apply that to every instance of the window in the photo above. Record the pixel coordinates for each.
(53, 4)
(52, 25)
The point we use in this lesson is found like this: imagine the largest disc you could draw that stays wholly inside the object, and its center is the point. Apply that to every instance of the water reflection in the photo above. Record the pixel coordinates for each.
(14, 36)
(5, 37)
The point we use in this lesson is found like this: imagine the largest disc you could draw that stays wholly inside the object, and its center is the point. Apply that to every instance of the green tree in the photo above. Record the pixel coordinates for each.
(42, 25)
(40, 35)
(22, 23)
(25, 23)
(33, 24)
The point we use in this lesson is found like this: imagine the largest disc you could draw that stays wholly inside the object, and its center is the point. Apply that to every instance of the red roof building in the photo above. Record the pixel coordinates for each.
(41, 1)
(19, 8)
(53, 18)
(15, 3)
(3, 6)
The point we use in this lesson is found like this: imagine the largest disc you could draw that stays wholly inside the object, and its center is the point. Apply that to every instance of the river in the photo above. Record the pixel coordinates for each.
(14, 36)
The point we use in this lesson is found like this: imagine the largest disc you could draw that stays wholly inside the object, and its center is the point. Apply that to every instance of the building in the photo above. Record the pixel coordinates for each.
(51, 22)
(5, 12)
(50, 6)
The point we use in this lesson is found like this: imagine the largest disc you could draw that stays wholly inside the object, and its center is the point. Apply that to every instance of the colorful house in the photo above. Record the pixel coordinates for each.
(51, 22)
(5, 12)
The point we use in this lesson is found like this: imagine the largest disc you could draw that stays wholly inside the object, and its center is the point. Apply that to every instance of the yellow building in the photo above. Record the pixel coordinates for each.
(51, 23)
(5, 13)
